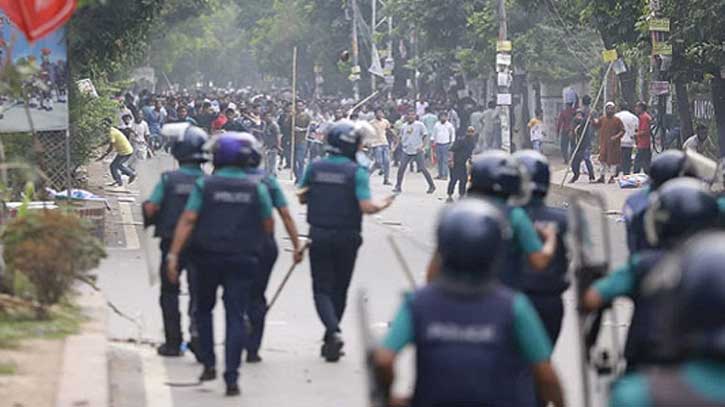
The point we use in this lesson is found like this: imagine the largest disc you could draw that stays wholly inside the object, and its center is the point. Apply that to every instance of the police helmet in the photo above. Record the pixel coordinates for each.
(187, 142)
(496, 173)
(701, 296)
(471, 237)
(668, 165)
(678, 209)
(236, 149)
(344, 138)
(537, 167)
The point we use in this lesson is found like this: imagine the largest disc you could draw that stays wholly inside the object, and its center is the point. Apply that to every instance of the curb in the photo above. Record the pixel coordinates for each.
(84, 375)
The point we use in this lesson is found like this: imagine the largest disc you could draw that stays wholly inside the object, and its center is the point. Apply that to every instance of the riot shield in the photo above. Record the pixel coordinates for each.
(589, 244)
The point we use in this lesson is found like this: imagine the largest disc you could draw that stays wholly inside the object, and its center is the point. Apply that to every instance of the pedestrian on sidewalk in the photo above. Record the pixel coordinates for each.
(631, 124)
(336, 190)
(584, 141)
(611, 131)
(461, 151)
(644, 139)
(226, 219)
(444, 133)
(536, 131)
(272, 143)
(118, 142)
(163, 210)
(413, 139)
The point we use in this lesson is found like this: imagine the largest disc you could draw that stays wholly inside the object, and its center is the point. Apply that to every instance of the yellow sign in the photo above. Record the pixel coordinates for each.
(610, 55)
(504, 46)
(659, 25)
(661, 48)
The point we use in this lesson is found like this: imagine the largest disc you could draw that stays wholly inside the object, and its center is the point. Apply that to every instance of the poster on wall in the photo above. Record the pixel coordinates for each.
(45, 93)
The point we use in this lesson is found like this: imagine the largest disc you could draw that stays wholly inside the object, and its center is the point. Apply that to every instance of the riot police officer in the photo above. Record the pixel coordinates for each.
(677, 210)
(163, 210)
(497, 178)
(545, 288)
(257, 310)
(472, 335)
(225, 220)
(693, 310)
(666, 166)
(336, 190)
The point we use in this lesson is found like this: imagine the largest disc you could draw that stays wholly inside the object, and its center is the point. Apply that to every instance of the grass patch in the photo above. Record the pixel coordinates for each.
(7, 368)
(63, 320)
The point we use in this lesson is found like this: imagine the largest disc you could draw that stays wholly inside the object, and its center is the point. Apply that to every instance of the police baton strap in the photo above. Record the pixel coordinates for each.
(287, 276)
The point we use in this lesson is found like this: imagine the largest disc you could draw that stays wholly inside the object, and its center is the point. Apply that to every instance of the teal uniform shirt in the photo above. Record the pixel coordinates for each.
(618, 284)
(705, 378)
(157, 196)
(532, 340)
(524, 233)
(194, 204)
(362, 177)
(279, 201)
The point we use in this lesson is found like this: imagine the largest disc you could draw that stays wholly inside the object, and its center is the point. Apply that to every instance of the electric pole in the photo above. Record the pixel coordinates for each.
(355, 75)
(503, 67)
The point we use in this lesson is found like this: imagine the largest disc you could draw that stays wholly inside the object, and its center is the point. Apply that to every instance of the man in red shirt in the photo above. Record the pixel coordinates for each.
(564, 128)
(644, 139)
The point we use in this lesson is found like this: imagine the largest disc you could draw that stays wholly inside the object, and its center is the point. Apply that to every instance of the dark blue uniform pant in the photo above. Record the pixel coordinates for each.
(169, 299)
(332, 258)
(235, 273)
(257, 310)
(550, 308)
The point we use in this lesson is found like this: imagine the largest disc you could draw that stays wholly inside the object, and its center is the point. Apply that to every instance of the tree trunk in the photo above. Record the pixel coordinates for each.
(683, 108)
(628, 86)
(525, 114)
(537, 95)
(718, 101)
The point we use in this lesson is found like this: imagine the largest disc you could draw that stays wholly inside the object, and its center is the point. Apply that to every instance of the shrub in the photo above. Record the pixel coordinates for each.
(52, 249)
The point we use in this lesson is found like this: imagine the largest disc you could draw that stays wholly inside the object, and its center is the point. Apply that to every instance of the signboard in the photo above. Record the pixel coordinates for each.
(503, 99)
(661, 48)
(659, 88)
(504, 79)
(610, 55)
(86, 86)
(46, 90)
(659, 25)
(504, 46)
(503, 59)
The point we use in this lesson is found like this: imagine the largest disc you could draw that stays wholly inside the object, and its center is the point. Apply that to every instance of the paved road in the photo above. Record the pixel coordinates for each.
(292, 373)
(15, 118)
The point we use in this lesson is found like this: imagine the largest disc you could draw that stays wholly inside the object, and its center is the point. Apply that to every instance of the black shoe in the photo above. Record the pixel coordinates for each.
(208, 374)
(430, 190)
(380, 172)
(386, 182)
(396, 190)
(449, 200)
(233, 390)
(253, 357)
(331, 349)
(169, 351)
(574, 179)
(131, 179)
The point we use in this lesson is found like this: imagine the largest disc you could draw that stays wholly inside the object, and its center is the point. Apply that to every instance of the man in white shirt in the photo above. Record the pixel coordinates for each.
(631, 124)
(420, 107)
(139, 138)
(443, 135)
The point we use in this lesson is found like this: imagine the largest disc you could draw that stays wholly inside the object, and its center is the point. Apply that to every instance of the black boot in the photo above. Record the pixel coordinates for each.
(169, 351)
(332, 348)
(233, 390)
(208, 374)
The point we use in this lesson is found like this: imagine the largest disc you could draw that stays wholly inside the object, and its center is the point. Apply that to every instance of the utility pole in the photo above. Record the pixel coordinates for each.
(355, 76)
(503, 49)
(374, 26)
